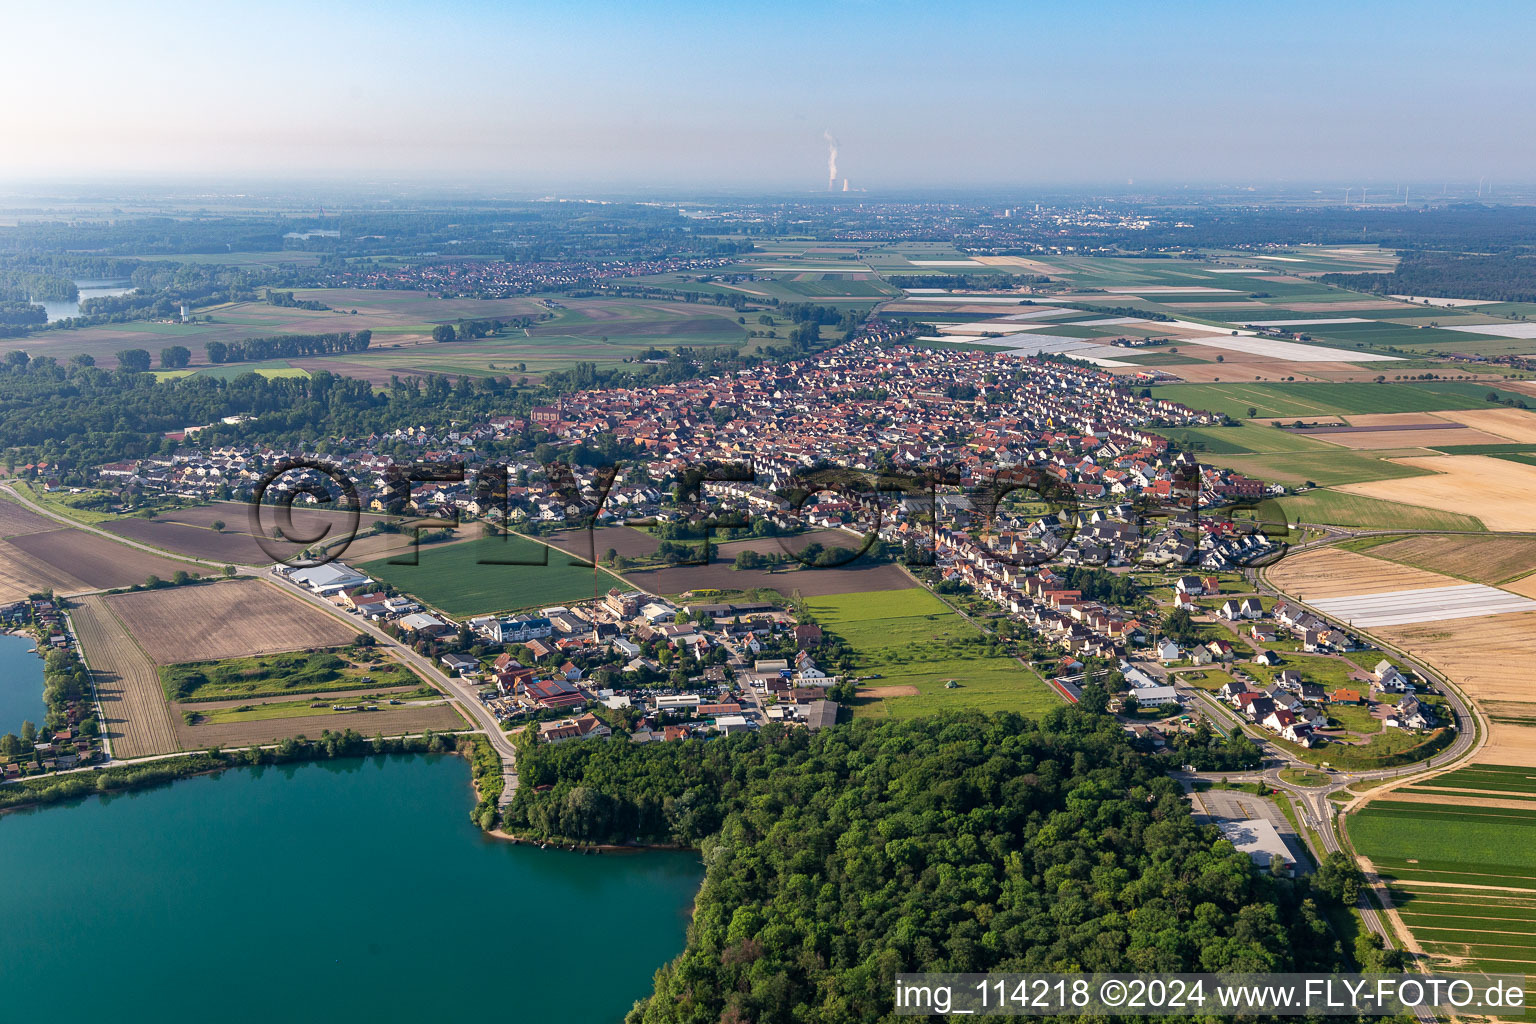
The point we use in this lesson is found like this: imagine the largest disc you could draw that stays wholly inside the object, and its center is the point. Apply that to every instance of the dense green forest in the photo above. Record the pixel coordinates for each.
(1503, 277)
(962, 842)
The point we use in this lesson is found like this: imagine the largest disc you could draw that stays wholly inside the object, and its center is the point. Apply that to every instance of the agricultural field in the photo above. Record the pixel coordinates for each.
(915, 642)
(1326, 467)
(221, 531)
(135, 718)
(227, 619)
(1246, 439)
(1481, 559)
(491, 574)
(1330, 572)
(68, 561)
(603, 330)
(1488, 659)
(1461, 877)
(17, 521)
(1309, 400)
(1515, 424)
(1499, 490)
(1342, 509)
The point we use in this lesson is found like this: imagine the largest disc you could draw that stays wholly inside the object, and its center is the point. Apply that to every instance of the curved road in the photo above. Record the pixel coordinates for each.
(457, 690)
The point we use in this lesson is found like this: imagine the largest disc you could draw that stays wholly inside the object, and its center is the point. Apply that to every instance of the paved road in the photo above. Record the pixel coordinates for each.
(1316, 812)
(456, 689)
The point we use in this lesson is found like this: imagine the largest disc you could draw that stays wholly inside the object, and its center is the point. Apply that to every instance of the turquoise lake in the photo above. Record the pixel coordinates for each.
(21, 684)
(340, 891)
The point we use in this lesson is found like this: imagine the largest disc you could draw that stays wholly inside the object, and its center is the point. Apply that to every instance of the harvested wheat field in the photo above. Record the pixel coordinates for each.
(1525, 586)
(1393, 419)
(229, 619)
(1322, 573)
(1514, 424)
(16, 521)
(87, 561)
(1481, 558)
(137, 720)
(1024, 262)
(1489, 659)
(22, 574)
(1409, 437)
(1498, 490)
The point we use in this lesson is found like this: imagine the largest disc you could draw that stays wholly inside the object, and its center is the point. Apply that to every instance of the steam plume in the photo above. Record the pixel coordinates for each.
(831, 160)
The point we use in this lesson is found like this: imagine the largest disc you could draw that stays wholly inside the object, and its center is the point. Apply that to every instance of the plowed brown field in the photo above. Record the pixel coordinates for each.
(138, 719)
(228, 619)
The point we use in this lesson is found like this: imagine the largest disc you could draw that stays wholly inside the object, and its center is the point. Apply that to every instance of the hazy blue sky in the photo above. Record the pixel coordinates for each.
(732, 94)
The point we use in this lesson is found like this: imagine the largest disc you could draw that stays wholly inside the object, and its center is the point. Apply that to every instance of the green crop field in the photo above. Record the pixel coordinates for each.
(1463, 877)
(1488, 777)
(912, 639)
(466, 579)
(1309, 400)
(1324, 468)
(1458, 839)
(1248, 439)
(1341, 509)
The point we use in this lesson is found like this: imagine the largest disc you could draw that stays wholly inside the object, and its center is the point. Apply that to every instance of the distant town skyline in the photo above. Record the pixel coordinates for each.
(697, 95)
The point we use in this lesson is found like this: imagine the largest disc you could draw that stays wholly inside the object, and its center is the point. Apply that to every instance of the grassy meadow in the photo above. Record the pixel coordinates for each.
(912, 639)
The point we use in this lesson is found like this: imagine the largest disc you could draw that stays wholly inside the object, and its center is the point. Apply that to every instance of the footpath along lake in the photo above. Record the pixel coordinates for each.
(347, 890)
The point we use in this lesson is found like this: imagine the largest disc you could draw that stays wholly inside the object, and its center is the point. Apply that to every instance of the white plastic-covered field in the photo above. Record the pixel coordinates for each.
(1307, 323)
(1432, 605)
(946, 263)
(967, 300)
(1525, 330)
(1166, 289)
(1288, 350)
(1429, 300)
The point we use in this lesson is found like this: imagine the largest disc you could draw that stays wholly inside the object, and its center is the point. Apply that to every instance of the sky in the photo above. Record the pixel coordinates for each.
(691, 94)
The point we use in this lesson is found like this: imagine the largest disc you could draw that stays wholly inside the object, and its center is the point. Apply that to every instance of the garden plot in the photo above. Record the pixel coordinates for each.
(1435, 604)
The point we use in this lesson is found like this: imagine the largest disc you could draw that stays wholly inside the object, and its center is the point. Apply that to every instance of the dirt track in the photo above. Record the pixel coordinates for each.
(138, 720)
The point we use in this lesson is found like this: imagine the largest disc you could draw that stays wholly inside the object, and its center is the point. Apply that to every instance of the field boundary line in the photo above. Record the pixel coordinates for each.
(90, 673)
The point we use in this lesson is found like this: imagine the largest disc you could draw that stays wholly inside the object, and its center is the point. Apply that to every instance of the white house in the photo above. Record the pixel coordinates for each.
(1168, 651)
(1155, 696)
(1390, 680)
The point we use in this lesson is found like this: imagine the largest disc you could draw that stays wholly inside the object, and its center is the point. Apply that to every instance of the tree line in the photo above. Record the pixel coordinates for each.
(1502, 277)
(287, 346)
